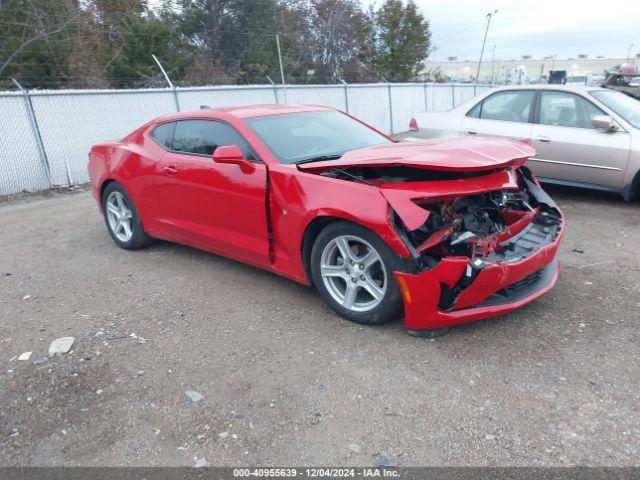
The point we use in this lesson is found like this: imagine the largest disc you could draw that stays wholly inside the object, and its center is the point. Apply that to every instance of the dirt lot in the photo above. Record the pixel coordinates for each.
(286, 381)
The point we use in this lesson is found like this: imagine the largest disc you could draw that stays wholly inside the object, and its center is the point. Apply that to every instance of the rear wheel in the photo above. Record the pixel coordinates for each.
(353, 272)
(122, 219)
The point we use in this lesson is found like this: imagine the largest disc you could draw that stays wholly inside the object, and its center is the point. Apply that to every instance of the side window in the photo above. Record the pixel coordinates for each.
(567, 110)
(163, 134)
(510, 106)
(204, 136)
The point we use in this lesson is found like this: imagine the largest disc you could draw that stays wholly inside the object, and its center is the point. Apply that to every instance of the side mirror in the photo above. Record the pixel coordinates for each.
(604, 122)
(233, 155)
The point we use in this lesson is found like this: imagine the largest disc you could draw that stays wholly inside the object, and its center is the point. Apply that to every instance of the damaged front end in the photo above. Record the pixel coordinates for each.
(486, 246)
(483, 243)
(481, 232)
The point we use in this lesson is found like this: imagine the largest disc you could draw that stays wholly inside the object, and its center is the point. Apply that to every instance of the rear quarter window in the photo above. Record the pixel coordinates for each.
(163, 134)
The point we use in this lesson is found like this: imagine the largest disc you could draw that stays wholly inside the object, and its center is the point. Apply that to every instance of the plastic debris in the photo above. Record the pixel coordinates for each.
(194, 396)
(25, 356)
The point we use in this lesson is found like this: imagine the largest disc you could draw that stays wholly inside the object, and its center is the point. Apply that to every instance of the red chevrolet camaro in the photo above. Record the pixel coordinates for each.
(444, 232)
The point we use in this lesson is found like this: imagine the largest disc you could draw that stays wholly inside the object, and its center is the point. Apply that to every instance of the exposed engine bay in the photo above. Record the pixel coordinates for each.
(473, 226)
(497, 225)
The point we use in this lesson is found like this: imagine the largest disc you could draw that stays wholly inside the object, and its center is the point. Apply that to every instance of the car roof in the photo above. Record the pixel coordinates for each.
(246, 111)
(568, 88)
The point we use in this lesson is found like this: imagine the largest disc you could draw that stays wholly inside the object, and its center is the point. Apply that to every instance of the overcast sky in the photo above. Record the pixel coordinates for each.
(539, 28)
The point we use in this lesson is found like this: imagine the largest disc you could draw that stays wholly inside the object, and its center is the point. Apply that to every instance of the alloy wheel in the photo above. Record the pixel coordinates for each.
(119, 216)
(353, 273)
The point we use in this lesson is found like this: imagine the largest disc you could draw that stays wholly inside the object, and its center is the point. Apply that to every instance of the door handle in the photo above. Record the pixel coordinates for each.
(542, 138)
(170, 170)
(471, 132)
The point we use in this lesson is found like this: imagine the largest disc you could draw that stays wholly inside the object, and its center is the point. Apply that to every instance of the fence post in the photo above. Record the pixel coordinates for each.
(42, 153)
(390, 104)
(453, 95)
(284, 86)
(275, 89)
(171, 85)
(346, 94)
(426, 107)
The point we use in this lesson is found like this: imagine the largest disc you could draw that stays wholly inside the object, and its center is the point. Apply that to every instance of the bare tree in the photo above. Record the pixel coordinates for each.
(35, 28)
(339, 26)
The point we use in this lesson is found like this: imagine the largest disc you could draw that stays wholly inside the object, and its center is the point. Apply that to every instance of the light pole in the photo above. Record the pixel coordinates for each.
(493, 59)
(489, 15)
(629, 52)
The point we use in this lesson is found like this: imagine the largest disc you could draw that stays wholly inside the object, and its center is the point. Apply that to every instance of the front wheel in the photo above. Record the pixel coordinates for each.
(352, 269)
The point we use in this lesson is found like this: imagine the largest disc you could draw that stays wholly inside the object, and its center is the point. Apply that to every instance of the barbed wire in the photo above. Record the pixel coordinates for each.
(213, 80)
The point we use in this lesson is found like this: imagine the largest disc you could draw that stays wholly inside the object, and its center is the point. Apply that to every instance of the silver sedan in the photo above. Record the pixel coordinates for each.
(584, 136)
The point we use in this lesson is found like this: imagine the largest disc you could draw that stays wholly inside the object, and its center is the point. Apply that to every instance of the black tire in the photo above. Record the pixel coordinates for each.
(391, 303)
(139, 238)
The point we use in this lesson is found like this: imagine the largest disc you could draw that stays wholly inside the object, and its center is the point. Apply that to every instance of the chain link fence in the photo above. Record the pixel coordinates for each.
(46, 135)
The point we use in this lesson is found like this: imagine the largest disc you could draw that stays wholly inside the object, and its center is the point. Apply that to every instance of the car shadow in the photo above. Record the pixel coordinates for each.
(566, 192)
(305, 298)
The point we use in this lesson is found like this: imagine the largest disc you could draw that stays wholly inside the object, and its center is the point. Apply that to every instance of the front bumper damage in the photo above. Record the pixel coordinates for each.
(499, 289)
(460, 289)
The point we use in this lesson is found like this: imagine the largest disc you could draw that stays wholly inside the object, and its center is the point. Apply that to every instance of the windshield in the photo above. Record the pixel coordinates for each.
(303, 136)
(625, 106)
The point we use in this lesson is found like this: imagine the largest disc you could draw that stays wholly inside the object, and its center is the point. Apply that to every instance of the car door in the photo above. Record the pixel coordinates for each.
(506, 113)
(570, 148)
(209, 204)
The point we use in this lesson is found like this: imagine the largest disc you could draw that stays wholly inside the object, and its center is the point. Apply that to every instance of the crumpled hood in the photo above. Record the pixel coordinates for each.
(448, 154)
(463, 154)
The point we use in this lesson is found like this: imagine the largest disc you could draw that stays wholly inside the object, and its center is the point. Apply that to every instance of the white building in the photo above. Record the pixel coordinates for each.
(526, 69)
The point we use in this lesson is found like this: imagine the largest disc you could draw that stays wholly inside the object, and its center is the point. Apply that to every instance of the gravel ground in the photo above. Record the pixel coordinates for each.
(284, 380)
